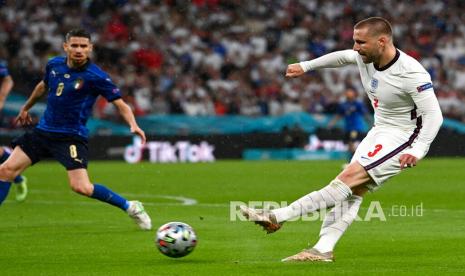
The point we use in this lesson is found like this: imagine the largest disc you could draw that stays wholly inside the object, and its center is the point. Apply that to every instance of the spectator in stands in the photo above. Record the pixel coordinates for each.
(228, 45)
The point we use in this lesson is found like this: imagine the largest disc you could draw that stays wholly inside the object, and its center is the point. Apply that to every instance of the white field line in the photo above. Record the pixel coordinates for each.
(178, 201)
(63, 202)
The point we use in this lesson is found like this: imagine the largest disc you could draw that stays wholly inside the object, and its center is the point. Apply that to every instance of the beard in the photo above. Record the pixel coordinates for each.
(367, 58)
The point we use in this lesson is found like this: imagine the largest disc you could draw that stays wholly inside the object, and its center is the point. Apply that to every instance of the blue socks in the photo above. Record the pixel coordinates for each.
(101, 193)
(3, 158)
(4, 189)
(104, 194)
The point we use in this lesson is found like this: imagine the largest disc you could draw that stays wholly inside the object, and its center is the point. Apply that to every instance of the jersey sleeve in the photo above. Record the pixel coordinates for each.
(47, 72)
(51, 63)
(107, 88)
(331, 60)
(420, 88)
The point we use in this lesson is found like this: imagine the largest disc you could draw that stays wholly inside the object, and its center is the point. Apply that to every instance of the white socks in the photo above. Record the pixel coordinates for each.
(336, 223)
(327, 197)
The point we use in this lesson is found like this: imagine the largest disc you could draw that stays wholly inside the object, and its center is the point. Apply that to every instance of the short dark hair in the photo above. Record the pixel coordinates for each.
(77, 33)
(376, 25)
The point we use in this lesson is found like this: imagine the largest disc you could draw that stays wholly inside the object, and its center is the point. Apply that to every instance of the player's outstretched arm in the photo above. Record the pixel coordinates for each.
(24, 118)
(331, 60)
(5, 88)
(128, 116)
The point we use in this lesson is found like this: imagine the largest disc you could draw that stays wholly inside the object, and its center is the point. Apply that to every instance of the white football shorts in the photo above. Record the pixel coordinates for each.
(380, 150)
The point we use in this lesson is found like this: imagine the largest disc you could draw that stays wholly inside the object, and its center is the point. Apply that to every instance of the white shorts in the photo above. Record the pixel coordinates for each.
(380, 150)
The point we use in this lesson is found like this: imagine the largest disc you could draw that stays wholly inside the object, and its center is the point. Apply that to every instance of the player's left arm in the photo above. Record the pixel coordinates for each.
(5, 88)
(128, 115)
(420, 88)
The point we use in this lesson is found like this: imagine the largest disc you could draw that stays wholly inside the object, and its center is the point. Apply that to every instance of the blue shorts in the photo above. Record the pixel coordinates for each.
(70, 150)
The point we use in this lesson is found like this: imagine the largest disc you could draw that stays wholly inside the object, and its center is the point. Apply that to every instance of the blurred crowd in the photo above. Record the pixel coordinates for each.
(207, 57)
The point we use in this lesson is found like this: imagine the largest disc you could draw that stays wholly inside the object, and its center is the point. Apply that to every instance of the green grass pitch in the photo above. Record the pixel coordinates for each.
(56, 232)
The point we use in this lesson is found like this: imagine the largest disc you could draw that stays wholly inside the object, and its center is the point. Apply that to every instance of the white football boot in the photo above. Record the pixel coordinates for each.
(139, 215)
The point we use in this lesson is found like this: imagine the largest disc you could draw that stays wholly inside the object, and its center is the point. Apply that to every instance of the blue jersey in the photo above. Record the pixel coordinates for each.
(71, 95)
(3, 69)
(353, 112)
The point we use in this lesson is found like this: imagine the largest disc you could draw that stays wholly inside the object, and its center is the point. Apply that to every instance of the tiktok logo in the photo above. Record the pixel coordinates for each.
(165, 152)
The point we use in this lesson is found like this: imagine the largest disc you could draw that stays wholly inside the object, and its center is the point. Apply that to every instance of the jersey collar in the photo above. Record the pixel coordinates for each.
(390, 63)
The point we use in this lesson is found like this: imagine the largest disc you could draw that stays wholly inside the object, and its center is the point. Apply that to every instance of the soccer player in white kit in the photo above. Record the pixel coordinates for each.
(407, 119)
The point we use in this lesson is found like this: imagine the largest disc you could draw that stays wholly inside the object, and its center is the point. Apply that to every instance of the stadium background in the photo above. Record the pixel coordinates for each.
(210, 70)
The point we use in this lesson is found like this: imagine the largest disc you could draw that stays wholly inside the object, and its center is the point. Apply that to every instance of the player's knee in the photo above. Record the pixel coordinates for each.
(82, 188)
(354, 175)
(346, 175)
(7, 173)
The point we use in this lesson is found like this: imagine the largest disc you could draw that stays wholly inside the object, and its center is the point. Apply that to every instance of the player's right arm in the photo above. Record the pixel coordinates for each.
(331, 60)
(24, 118)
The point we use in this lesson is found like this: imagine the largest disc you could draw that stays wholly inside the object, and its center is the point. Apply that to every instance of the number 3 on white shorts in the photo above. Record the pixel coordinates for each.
(378, 147)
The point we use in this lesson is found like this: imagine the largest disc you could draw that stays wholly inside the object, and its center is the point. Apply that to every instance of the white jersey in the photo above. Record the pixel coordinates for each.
(401, 93)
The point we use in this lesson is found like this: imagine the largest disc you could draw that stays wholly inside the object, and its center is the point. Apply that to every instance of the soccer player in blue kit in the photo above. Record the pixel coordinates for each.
(6, 84)
(73, 84)
(353, 113)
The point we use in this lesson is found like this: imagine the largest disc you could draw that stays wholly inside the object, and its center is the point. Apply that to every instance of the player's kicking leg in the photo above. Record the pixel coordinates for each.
(336, 222)
(327, 197)
(339, 190)
(80, 183)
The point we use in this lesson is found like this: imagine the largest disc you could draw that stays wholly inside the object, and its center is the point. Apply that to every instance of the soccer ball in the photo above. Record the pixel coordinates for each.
(176, 239)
